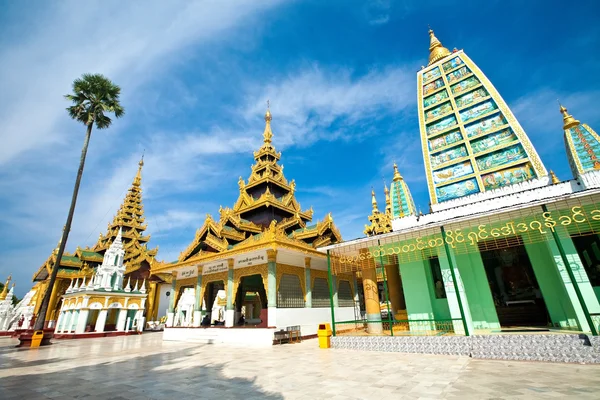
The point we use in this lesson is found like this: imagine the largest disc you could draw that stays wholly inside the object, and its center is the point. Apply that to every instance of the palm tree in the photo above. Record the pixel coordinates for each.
(93, 96)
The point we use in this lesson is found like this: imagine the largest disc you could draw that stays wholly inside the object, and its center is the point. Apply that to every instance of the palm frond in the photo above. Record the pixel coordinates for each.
(93, 96)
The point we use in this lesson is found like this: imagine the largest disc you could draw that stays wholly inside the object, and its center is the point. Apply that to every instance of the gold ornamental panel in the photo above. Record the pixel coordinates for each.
(291, 270)
(179, 283)
(206, 279)
(260, 269)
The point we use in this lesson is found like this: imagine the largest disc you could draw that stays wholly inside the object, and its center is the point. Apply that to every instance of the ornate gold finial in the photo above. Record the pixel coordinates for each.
(373, 200)
(555, 180)
(436, 50)
(5, 290)
(137, 181)
(268, 135)
(568, 120)
(397, 176)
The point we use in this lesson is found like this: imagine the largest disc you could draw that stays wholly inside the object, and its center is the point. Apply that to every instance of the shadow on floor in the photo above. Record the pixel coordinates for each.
(171, 375)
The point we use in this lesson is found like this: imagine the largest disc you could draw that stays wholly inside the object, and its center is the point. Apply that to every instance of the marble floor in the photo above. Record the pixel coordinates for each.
(145, 367)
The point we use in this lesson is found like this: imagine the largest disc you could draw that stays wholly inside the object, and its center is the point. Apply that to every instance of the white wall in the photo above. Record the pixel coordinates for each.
(310, 318)
(256, 337)
(163, 300)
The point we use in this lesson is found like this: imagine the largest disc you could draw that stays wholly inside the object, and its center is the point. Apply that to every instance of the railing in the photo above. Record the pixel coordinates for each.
(409, 327)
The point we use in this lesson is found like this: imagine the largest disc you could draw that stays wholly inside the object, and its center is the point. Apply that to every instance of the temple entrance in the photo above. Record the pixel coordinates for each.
(251, 302)
(515, 289)
(215, 305)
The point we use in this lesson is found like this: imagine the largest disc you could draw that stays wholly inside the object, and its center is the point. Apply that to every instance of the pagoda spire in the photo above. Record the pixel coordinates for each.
(137, 181)
(436, 50)
(374, 201)
(397, 176)
(268, 134)
(568, 120)
(402, 203)
(5, 290)
(583, 146)
(388, 202)
(128, 227)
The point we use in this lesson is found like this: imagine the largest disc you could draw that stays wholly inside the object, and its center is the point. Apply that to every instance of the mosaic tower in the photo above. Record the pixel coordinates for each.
(583, 145)
(472, 142)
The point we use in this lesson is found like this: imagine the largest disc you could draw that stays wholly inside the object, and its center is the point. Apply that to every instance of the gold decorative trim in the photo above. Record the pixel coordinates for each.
(260, 269)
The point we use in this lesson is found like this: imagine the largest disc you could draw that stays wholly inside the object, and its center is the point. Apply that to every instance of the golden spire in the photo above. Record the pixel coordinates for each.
(436, 50)
(554, 178)
(137, 181)
(388, 201)
(374, 201)
(568, 120)
(268, 135)
(397, 176)
(5, 290)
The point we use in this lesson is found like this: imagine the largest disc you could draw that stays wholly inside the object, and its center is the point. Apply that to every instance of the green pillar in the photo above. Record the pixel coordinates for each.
(230, 293)
(477, 289)
(173, 293)
(272, 278)
(418, 294)
(552, 284)
(455, 291)
(198, 306)
(330, 281)
(308, 297)
(334, 293)
(576, 281)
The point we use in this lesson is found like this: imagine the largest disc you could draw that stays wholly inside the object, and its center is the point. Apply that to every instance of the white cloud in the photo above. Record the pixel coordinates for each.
(315, 104)
(129, 42)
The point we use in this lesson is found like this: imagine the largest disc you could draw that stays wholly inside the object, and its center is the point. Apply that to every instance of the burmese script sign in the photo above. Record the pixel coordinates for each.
(215, 267)
(468, 239)
(247, 260)
(187, 272)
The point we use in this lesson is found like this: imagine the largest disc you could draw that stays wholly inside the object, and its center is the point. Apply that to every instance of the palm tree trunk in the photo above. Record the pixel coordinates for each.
(39, 322)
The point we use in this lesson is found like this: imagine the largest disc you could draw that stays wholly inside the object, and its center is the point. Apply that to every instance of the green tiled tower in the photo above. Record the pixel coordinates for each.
(471, 140)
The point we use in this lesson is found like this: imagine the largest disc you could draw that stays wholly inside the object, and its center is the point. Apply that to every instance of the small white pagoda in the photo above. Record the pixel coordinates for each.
(6, 306)
(103, 304)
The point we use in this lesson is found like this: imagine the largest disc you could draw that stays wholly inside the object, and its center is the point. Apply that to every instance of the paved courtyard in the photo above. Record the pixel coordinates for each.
(145, 367)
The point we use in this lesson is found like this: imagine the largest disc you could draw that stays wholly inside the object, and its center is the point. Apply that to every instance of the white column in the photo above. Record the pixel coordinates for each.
(66, 321)
(82, 321)
(73, 322)
(139, 317)
(101, 321)
(59, 321)
(121, 319)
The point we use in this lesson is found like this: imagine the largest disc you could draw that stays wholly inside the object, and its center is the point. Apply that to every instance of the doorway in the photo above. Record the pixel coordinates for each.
(251, 302)
(515, 289)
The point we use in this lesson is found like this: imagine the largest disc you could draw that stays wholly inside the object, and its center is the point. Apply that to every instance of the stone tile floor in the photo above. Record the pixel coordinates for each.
(145, 367)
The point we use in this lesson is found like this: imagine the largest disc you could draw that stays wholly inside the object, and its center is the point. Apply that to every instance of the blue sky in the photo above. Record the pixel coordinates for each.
(195, 77)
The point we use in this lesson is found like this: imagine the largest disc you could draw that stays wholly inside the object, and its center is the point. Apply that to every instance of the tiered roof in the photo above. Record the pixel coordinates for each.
(266, 201)
(129, 218)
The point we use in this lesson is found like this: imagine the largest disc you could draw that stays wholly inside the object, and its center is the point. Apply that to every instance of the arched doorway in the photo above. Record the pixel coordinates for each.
(251, 302)
(214, 309)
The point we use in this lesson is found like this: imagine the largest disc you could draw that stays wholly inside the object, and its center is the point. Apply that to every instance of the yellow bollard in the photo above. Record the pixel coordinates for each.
(324, 334)
(36, 339)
